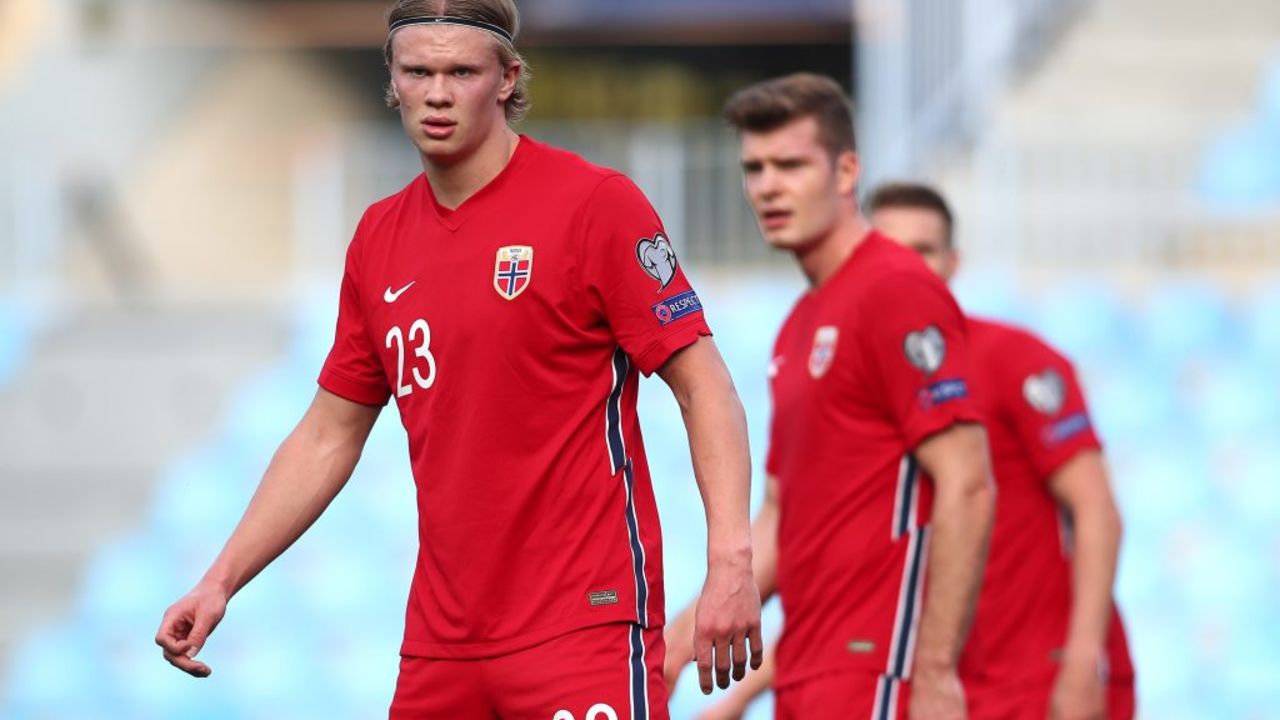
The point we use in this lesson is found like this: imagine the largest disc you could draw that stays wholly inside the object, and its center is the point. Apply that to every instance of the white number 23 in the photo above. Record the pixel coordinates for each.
(599, 711)
(420, 333)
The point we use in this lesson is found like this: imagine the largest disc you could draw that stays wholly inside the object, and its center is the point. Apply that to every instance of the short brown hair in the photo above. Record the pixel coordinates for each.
(771, 104)
(502, 13)
(912, 195)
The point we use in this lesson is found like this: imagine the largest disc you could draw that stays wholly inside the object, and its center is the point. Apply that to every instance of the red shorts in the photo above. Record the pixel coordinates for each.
(843, 696)
(607, 672)
(1030, 700)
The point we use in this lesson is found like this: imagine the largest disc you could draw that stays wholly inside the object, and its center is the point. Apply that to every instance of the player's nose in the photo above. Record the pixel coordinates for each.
(438, 93)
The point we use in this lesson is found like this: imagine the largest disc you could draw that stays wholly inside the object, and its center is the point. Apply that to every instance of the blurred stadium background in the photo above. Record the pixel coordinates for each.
(178, 181)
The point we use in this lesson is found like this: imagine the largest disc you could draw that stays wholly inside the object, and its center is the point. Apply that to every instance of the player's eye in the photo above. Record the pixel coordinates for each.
(462, 72)
(416, 72)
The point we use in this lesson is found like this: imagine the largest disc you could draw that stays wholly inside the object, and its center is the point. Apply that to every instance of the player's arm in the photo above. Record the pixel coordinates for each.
(307, 472)
(727, 615)
(1083, 488)
(963, 511)
(764, 566)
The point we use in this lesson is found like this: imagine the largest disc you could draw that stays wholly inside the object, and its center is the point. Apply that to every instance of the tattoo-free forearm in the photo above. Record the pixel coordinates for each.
(963, 511)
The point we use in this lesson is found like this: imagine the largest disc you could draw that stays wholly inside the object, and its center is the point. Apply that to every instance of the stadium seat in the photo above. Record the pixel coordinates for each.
(39, 685)
(1240, 171)
(1082, 318)
(1181, 319)
(13, 340)
(1269, 97)
(1262, 323)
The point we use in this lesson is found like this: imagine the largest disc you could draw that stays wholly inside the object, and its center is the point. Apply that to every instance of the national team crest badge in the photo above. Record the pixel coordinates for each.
(824, 350)
(513, 270)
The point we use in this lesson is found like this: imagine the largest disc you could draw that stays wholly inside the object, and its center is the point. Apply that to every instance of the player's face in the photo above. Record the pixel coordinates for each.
(797, 190)
(922, 230)
(451, 86)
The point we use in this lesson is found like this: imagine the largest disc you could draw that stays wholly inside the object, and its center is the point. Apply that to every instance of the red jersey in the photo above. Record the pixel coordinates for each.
(510, 331)
(1036, 421)
(865, 368)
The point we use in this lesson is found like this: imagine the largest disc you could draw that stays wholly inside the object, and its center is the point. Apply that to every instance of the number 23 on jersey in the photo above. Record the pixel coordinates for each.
(420, 339)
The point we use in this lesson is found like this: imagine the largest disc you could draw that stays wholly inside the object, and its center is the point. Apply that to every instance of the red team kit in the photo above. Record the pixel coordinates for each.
(511, 332)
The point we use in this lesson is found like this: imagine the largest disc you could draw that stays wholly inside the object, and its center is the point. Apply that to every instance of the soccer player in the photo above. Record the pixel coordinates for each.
(879, 499)
(507, 299)
(1047, 641)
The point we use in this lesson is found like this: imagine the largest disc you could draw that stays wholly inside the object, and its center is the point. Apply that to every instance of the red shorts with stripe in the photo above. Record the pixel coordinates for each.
(1030, 700)
(847, 696)
(607, 672)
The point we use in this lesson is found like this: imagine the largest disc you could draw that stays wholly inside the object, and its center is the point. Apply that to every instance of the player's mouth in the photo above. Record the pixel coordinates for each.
(438, 128)
(774, 219)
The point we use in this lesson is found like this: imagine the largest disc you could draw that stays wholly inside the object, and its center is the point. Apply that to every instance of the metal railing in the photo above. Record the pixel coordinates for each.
(929, 70)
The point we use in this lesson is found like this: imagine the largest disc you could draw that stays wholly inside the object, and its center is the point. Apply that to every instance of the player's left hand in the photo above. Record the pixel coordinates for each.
(936, 694)
(1079, 692)
(727, 618)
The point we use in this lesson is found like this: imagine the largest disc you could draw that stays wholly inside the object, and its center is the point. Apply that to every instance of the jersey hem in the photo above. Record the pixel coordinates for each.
(658, 351)
(349, 389)
(925, 430)
(481, 650)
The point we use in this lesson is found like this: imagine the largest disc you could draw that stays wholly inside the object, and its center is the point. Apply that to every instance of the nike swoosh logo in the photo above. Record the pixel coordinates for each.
(391, 297)
(774, 365)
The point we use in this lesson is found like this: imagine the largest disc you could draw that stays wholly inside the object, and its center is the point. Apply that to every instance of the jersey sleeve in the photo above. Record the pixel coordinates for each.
(1043, 398)
(353, 370)
(631, 272)
(917, 342)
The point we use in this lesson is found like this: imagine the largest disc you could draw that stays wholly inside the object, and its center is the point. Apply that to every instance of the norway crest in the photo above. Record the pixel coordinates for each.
(513, 270)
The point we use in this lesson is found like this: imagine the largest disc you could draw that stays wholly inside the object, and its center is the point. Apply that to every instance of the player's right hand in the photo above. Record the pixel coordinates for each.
(187, 624)
(726, 621)
(936, 694)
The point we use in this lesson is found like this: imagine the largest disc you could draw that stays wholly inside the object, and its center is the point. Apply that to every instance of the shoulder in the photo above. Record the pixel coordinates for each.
(1016, 345)
(376, 215)
(578, 186)
(569, 168)
(899, 271)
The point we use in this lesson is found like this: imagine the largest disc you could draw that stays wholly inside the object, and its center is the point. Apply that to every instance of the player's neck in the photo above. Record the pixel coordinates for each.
(821, 259)
(452, 184)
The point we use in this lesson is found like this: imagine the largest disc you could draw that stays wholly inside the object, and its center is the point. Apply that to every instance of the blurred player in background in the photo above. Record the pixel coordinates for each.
(879, 499)
(1047, 641)
(1047, 637)
(508, 298)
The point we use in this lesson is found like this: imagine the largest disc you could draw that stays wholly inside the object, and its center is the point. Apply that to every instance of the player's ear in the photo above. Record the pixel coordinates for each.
(848, 170)
(510, 76)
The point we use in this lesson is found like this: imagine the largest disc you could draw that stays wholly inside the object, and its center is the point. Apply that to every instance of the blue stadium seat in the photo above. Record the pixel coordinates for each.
(1082, 318)
(1240, 171)
(128, 584)
(1181, 319)
(39, 684)
(1262, 322)
(13, 340)
(1269, 97)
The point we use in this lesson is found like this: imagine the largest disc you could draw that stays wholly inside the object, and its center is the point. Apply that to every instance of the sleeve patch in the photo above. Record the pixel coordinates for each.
(926, 349)
(1045, 391)
(942, 392)
(677, 306)
(658, 259)
(1065, 429)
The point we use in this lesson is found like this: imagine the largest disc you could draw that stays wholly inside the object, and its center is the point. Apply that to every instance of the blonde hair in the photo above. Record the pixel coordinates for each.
(502, 13)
